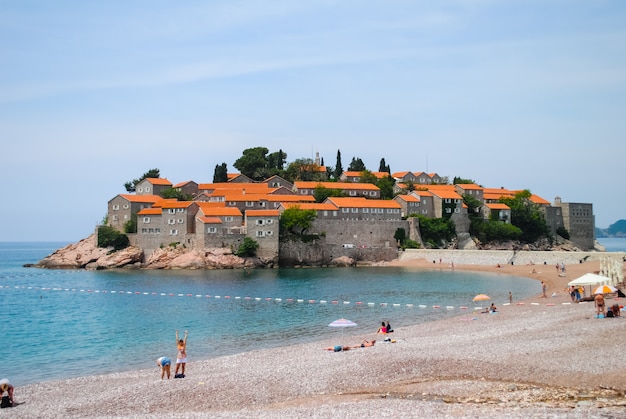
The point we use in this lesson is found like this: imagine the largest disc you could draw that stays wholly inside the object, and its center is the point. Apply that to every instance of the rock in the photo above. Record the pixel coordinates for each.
(74, 256)
(343, 261)
(128, 256)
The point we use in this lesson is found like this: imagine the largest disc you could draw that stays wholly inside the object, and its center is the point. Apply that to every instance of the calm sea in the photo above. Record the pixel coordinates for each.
(67, 323)
(613, 244)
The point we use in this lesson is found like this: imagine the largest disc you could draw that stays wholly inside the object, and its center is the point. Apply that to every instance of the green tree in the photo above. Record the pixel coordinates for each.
(400, 236)
(110, 237)
(383, 166)
(320, 193)
(368, 177)
(356, 165)
(295, 220)
(171, 193)
(253, 162)
(386, 185)
(304, 170)
(220, 174)
(276, 162)
(473, 205)
(130, 226)
(436, 231)
(457, 181)
(247, 248)
(562, 231)
(527, 216)
(152, 174)
(338, 167)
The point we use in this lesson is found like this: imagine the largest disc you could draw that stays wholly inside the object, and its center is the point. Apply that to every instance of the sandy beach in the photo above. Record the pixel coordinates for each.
(543, 357)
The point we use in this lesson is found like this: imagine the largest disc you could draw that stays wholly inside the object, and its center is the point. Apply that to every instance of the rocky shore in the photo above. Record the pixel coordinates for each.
(537, 358)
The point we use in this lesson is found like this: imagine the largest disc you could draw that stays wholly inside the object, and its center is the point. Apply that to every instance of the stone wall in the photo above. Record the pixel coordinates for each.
(503, 257)
(359, 233)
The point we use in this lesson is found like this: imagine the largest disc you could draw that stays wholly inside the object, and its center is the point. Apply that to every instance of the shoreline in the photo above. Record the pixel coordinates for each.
(539, 357)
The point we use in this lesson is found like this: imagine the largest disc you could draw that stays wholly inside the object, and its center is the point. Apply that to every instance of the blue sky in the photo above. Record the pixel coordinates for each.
(519, 94)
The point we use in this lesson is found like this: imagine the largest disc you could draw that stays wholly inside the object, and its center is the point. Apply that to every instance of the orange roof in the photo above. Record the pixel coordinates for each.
(225, 186)
(422, 193)
(181, 184)
(469, 186)
(538, 200)
(141, 198)
(408, 198)
(335, 185)
(161, 201)
(399, 174)
(211, 203)
(220, 211)
(497, 206)
(310, 206)
(381, 175)
(262, 213)
(166, 203)
(361, 202)
(210, 220)
(290, 198)
(446, 194)
(150, 211)
(159, 181)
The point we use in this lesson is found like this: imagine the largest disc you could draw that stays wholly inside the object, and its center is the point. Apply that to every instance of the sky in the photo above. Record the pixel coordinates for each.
(516, 94)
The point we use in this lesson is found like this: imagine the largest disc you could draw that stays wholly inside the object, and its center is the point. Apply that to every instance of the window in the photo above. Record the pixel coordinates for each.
(173, 232)
(260, 233)
(345, 210)
(269, 233)
(366, 210)
(147, 189)
(354, 210)
(116, 207)
(249, 203)
(144, 230)
(171, 211)
(171, 221)
(352, 193)
(262, 204)
(211, 230)
(180, 209)
(115, 218)
(228, 219)
(125, 206)
(150, 230)
(259, 222)
(269, 221)
(181, 220)
(447, 200)
(372, 193)
(139, 190)
(232, 204)
(146, 220)
(448, 210)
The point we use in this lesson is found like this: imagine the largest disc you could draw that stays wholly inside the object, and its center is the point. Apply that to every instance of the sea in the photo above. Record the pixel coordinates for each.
(57, 324)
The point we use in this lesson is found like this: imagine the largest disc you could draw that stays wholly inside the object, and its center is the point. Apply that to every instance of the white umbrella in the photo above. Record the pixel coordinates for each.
(342, 324)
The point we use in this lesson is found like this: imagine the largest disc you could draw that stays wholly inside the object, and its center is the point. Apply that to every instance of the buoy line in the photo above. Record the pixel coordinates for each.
(312, 301)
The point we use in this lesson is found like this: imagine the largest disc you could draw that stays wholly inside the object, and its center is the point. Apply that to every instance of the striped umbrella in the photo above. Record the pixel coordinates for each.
(605, 289)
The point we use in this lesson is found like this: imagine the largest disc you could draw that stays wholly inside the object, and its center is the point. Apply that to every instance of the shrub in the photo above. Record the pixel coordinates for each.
(248, 248)
(110, 237)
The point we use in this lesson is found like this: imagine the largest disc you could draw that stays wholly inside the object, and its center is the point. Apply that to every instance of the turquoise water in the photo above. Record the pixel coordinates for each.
(68, 323)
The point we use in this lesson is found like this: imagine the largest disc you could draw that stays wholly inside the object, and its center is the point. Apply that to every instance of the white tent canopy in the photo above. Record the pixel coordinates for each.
(590, 279)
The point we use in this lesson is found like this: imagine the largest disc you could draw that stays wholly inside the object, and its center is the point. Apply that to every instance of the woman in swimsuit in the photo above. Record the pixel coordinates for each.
(181, 356)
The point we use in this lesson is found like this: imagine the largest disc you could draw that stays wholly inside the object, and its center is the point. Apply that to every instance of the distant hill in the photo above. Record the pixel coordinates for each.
(617, 229)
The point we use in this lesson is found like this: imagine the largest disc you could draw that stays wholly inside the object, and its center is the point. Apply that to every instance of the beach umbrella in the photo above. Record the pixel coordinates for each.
(605, 289)
(342, 324)
(482, 297)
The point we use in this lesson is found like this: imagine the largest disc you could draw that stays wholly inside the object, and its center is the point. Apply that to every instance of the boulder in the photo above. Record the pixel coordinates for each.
(122, 258)
(74, 256)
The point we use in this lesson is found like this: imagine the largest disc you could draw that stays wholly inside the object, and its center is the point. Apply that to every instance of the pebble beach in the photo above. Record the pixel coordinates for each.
(543, 357)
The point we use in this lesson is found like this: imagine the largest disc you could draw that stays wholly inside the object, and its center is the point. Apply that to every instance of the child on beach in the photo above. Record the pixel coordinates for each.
(181, 356)
(6, 390)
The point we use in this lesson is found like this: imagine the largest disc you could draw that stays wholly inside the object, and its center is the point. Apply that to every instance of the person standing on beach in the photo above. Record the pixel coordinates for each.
(165, 363)
(543, 289)
(181, 356)
(510, 297)
(599, 301)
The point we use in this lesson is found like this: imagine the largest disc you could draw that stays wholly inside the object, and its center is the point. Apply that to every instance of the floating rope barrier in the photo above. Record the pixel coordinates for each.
(249, 298)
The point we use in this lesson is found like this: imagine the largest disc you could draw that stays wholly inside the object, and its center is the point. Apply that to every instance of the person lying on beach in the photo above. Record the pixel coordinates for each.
(164, 363)
(339, 348)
